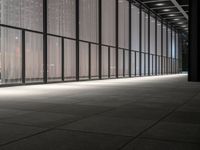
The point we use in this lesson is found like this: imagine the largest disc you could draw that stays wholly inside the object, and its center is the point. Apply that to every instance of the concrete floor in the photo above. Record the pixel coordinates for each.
(149, 113)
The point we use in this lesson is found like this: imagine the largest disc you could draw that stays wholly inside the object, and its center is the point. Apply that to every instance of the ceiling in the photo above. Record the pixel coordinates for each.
(173, 11)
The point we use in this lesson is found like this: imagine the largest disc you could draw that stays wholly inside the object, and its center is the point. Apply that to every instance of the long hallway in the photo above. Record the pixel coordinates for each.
(147, 113)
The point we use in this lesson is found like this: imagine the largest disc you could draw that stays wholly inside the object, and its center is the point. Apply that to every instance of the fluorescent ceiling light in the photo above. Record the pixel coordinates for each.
(180, 23)
(176, 19)
(165, 10)
(159, 4)
(171, 15)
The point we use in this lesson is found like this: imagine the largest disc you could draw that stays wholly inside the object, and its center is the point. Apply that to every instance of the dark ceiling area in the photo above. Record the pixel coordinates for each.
(173, 11)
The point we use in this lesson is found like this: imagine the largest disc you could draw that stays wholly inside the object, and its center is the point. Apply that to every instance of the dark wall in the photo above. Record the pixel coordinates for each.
(194, 41)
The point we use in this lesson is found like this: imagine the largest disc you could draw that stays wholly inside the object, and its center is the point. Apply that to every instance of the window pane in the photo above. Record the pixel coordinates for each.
(159, 38)
(152, 35)
(133, 63)
(164, 41)
(126, 69)
(84, 60)
(177, 48)
(22, 13)
(135, 28)
(104, 62)
(120, 62)
(108, 22)
(112, 62)
(169, 43)
(169, 49)
(123, 24)
(34, 57)
(137, 64)
(70, 59)
(89, 20)
(144, 32)
(54, 58)
(94, 61)
(10, 56)
(61, 17)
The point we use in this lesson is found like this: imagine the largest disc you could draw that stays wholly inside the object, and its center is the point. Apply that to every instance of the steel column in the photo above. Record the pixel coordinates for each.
(100, 39)
(89, 60)
(45, 41)
(77, 41)
(140, 42)
(63, 59)
(130, 39)
(117, 37)
(23, 57)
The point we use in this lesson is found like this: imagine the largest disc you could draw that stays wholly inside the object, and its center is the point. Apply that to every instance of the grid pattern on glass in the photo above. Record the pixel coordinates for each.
(73, 44)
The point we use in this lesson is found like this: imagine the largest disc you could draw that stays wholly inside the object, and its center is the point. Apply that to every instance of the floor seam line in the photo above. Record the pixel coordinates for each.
(148, 128)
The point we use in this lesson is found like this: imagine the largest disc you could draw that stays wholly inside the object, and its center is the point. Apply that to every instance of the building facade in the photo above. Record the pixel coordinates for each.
(43, 41)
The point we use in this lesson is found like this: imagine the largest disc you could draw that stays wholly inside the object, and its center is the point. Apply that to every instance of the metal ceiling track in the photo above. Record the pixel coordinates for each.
(180, 8)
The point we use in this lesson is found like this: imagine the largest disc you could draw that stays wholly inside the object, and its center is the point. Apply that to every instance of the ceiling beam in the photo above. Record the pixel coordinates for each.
(169, 12)
(174, 17)
(180, 8)
(163, 7)
(155, 1)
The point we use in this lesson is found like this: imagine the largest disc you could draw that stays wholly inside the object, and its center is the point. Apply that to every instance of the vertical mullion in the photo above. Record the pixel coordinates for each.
(100, 39)
(109, 62)
(117, 37)
(152, 64)
(89, 60)
(45, 41)
(63, 59)
(156, 47)
(130, 38)
(23, 57)
(144, 54)
(77, 41)
(149, 43)
(140, 42)
(135, 63)
(123, 63)
(162, 47)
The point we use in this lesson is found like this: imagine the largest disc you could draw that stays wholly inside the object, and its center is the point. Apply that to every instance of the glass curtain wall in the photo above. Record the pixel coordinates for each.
(108, 34)
(22, 13)
(152, 46)
(158, 47)
(123, 36)
(34, 51)
(144, 43)
(88, 26)
(11, 58)
(173, 52)
(169, 50)
(61, 19)
(135, 14)
(177, 53)
(164, 48)
(28, 15)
